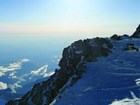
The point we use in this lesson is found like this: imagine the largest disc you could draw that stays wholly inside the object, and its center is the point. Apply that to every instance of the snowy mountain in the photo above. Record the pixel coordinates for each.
(98, 71)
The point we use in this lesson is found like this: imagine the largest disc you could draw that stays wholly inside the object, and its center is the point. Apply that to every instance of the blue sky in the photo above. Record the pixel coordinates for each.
(69, 16)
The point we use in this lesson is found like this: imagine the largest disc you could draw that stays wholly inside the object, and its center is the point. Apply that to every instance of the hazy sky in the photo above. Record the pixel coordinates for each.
(69, 16)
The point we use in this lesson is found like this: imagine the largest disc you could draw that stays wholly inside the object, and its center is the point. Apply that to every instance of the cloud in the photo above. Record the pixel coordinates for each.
(40, 71)
(51, 28)
(30, 77)
(56, 58)
(14, 86)
(24, 60)
(36, 74)
(3, 86)
(12, 75)
(49, 74)
(1, 74)
(12, 66)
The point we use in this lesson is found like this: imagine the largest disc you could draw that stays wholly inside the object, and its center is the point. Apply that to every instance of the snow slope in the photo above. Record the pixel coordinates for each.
(2, 102)
(112, 80)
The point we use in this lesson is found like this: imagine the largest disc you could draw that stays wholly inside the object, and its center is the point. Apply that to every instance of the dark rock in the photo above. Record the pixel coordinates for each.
(125, 36)
(116, 37)
(136, 34)
(130, 47)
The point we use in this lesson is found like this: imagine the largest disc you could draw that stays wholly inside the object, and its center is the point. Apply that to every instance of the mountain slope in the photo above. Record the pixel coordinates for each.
(110, 78)
(92, 72)
(2, 102)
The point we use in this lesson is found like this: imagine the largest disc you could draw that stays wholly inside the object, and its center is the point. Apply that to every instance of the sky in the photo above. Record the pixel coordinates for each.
(69, 16)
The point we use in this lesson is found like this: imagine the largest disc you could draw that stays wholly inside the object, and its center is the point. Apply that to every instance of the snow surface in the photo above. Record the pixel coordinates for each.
(2, 102)
(115, 77)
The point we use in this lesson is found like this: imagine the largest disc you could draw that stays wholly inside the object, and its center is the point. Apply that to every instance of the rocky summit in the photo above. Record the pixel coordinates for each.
(136, 34)
(98, 71)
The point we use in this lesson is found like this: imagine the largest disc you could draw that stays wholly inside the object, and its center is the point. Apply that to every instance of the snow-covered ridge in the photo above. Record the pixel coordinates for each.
(113, 80)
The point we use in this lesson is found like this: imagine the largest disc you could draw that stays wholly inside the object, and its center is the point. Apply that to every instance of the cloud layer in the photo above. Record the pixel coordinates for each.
(11, 70)
(12, 67)
(40, 71)
(30, 77)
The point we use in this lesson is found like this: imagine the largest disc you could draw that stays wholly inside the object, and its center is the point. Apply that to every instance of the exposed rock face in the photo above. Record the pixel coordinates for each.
(136, 34)
(71, 69)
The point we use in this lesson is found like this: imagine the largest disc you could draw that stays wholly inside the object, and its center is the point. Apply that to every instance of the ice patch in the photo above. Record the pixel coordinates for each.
(12, 66)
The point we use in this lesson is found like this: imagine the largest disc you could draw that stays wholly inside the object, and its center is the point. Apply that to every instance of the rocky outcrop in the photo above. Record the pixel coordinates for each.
(71, 69)
(131, 47)
(136, 34)
(115, 37)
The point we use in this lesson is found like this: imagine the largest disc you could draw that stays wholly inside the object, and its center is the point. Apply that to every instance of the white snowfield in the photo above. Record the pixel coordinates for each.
(112, 80)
